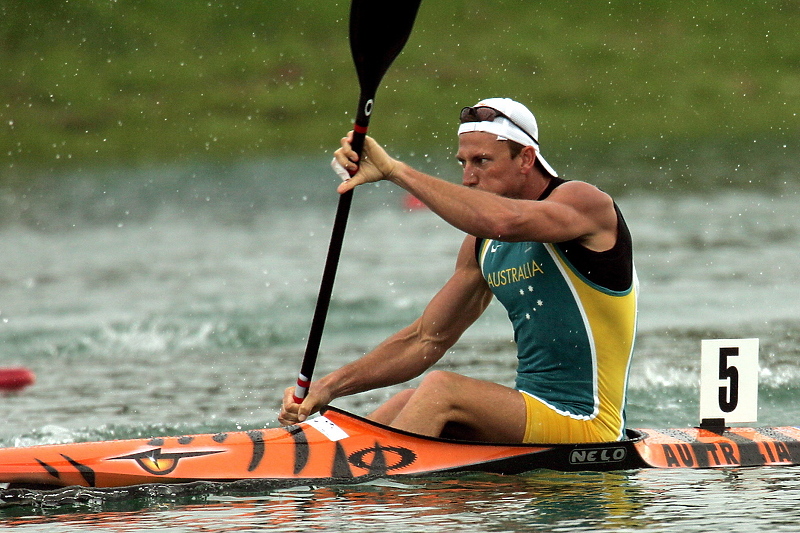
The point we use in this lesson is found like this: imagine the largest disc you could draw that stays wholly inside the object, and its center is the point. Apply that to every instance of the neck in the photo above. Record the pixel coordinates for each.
(537, 184)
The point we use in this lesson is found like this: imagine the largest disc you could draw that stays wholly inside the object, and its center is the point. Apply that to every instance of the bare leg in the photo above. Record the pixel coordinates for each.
(481, 409)
(386, 413)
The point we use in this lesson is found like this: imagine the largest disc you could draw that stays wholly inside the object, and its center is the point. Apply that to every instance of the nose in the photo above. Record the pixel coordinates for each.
(469, 179)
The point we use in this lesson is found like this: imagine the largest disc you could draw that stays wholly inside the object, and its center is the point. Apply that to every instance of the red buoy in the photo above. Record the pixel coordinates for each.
(15, 378)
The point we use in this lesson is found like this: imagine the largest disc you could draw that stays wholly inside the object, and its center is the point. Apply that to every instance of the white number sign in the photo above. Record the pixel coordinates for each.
(729, 380)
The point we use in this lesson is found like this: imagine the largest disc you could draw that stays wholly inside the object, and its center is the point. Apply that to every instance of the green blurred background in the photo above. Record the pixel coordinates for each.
(677, 84)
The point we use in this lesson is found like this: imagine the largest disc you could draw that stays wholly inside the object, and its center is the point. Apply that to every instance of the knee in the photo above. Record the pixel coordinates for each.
(439, 382)
(403, 396)
(386, 413)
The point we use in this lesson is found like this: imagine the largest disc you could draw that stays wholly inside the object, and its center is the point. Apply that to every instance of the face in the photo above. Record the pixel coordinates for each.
(488, 165)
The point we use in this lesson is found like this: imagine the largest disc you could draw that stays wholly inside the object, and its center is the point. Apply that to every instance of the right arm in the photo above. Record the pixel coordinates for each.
(412, 350)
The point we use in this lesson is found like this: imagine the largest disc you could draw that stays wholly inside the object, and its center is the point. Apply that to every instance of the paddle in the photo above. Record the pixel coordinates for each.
(378, 32)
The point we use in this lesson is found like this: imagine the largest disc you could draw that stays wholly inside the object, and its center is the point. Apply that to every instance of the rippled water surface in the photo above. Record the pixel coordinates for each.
(178, 302)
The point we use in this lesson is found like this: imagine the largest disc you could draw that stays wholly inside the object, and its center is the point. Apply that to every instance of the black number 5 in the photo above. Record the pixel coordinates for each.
(728, 396)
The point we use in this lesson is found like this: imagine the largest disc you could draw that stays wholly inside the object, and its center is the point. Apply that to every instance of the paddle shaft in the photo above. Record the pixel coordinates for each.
(378, 33)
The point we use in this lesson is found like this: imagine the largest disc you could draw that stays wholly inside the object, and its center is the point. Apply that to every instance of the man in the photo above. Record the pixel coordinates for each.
(556, 253)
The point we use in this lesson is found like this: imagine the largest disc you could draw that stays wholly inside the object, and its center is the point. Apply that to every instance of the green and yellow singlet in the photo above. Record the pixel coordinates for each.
(574, 336)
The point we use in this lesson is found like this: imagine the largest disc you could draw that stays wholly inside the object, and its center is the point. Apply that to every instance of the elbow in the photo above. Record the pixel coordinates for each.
(504, 228)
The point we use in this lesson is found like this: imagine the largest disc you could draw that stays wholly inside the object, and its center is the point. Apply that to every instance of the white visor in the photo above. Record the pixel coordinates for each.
(506, 130)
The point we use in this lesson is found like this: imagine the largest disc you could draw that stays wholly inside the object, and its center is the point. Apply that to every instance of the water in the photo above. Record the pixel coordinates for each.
(177, 300)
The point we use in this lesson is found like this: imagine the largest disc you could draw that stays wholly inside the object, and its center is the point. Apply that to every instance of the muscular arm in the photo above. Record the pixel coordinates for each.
(575, 210)
(410, 351)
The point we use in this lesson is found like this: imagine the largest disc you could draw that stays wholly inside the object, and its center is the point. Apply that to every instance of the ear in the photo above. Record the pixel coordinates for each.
(527, 158)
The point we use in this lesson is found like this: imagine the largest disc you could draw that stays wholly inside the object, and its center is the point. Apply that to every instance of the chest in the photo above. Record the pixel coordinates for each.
(518, 269)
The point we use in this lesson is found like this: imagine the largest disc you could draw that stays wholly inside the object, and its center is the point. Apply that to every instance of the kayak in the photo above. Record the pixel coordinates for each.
(339, 447)
(13, 379)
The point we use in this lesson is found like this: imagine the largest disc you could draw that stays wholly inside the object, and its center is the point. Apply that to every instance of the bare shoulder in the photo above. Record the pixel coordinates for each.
(595, 208)
(587, 200)
(581, 193)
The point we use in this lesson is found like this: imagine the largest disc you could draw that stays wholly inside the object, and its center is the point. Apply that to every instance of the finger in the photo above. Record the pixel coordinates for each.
(285, 418)
(350, 184)
(289, 414)
(306, 409)
(345, 186)
(288, 421)
(288, 418)
(347, 148)
(288, 398)
(343, 165)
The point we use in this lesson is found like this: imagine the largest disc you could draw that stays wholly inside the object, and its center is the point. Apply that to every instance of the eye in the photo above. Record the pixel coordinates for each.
(482, 161)
(461, 162)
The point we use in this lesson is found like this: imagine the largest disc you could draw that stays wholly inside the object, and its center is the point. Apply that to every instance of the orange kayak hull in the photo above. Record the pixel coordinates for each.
(339, 447)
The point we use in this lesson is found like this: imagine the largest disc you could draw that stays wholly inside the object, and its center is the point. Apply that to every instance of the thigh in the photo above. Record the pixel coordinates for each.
(473, 408)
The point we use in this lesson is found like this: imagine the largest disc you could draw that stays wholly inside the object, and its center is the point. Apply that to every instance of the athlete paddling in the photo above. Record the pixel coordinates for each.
(557, 254)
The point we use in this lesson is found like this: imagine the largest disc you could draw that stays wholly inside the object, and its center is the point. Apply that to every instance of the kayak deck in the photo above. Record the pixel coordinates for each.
(341, 447)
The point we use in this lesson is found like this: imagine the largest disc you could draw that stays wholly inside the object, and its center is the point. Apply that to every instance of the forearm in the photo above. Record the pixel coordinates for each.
(473, 211)
(401, 357)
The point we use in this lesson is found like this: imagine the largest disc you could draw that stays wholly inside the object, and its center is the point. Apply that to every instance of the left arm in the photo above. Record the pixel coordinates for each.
(575, 210)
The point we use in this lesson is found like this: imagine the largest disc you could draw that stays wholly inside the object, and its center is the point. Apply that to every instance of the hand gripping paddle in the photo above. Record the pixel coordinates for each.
(378, 31)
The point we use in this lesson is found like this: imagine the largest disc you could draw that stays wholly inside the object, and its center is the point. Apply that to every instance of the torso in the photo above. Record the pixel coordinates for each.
(573, 311)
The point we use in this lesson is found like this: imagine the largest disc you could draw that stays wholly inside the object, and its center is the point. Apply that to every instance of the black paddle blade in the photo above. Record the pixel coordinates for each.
(378, 31)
